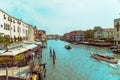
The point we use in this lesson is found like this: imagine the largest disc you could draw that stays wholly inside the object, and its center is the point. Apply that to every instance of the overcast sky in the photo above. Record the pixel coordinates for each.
(61, 16)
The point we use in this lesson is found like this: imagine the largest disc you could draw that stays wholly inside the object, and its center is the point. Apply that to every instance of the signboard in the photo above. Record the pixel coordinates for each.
(19, 57)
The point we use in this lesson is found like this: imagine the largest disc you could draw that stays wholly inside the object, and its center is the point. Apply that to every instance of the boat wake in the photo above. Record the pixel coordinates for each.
(112, 65)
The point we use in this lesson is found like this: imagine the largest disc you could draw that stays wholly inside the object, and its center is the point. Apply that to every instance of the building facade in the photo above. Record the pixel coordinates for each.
(117, 29)
(42, 35)
(104, 33)
(12, 27)
(39, 35)
(74, 36)
(36, 35)
(108, 33)
(66, 37)
(77, 36)
(31, 33)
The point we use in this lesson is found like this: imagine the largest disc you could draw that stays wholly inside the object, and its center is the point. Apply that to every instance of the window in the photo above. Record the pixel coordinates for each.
(14, 28)
(4, 17)
(111, 36)
(117, 26)
(18, 22)
(1, 26)
(6, 26)
(117, 35)
(8, 18)
(13, 21)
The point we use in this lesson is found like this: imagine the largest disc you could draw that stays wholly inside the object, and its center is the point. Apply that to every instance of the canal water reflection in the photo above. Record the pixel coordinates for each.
(77, 64)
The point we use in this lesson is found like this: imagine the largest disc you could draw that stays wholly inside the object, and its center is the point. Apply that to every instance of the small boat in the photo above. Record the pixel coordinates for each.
(68, 47)
(105, 58)
(113, 47)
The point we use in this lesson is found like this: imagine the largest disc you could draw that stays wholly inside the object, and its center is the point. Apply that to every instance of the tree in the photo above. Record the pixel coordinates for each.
(7, 41)
(4, 40)
(1, 39)
(89, 34)
(109, 39)
(97, 28)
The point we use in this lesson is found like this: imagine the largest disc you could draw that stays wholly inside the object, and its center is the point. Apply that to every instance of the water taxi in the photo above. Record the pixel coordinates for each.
(105, 58)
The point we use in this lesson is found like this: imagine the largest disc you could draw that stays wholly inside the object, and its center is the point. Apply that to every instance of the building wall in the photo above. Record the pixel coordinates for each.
(76, 36)
(42, 35)
(117, 29)
(31, 33)
(98, 34)
(104, 33)
(12, 27)
(35, 33)
(4, 30)
(107, 33)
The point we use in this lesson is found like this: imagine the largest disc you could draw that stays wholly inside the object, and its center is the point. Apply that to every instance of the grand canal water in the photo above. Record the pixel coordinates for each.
(77, 64)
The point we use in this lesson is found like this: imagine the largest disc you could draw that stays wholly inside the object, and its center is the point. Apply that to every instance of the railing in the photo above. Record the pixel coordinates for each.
(15, 44)
(10, 78)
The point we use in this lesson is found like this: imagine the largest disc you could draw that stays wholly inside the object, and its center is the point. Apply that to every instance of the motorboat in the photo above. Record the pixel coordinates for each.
(68, 47)
(105, 58)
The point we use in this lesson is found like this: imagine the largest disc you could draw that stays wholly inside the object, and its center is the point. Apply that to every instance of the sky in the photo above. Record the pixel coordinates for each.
(62, 16)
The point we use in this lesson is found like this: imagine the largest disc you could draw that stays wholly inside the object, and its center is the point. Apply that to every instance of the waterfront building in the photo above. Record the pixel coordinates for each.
(66, 37)
(39, 35)
(104, 33)
(42, 35)
(108, 33)
(36, 36)
(117, 30)
(98, 34)
(77, 36)
(12, 27)
(30, 33)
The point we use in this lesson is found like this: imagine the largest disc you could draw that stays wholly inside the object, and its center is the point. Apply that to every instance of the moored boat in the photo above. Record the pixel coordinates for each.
(105, 58)
(68, 47)
(113, 47)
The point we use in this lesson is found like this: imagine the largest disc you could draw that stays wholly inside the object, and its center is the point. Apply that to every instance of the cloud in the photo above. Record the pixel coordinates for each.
(59, 16)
